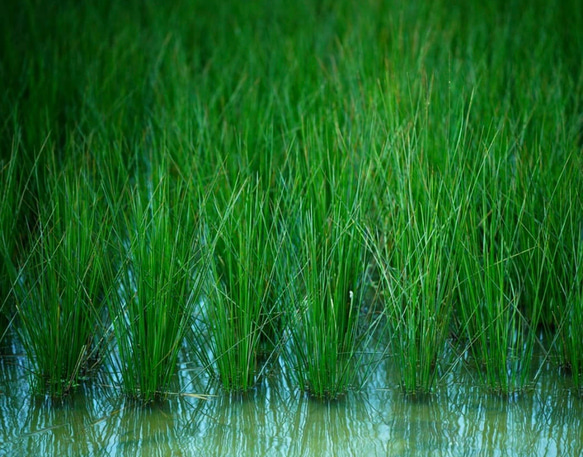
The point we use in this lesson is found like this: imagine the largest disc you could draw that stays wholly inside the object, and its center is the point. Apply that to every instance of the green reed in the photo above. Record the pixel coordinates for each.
(500, 335)
(568, 313)
(59, 287)
(416, 278)
(465, 122)
(155, 284)
(571, 324)
(324, 300)
(241, 310)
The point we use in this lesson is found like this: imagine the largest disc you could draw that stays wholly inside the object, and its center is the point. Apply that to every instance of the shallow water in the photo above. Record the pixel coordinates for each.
(460, 419)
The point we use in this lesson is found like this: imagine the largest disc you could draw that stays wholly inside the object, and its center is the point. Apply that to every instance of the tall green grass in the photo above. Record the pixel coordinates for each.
(416, 278)
(435, 144)
(59, 286)
(325, 268)
(155, 284)
(569, 314)
(411, 232)
(323, 308)
(242, 309)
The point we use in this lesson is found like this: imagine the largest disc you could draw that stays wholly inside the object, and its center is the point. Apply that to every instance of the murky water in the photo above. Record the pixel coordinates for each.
(459, 420)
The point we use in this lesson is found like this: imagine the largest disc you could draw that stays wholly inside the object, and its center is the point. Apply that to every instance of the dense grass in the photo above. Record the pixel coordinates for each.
(155, 284)
(59, 286)
(241, 175)
(323, 307)
(242, 304)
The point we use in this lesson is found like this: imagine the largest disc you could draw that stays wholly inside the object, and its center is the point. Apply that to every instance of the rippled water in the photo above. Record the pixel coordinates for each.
(461, 419)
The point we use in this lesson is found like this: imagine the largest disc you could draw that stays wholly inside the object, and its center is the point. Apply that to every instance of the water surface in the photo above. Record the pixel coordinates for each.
(460, 419)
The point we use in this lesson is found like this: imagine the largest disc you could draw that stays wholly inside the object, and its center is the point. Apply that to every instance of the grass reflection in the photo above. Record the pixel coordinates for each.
(458, 420)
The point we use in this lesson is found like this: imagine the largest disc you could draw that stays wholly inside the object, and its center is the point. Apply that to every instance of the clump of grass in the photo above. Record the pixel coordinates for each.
(415, 182)
(493, 323)
(570, 329)
(323, 301)
(156, 284)
(500, 335)
(416, 278)
(241, 309)
(58, 287)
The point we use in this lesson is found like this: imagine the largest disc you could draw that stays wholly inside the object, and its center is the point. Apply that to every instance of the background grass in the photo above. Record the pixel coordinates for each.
(435, 145)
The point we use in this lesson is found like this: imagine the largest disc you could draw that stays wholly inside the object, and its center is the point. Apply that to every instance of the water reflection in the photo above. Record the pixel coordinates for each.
(269, 423)
(143, 431)
(459, 420)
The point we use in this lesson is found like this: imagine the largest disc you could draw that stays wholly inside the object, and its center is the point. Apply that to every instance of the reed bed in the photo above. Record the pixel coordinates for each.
(234, 181)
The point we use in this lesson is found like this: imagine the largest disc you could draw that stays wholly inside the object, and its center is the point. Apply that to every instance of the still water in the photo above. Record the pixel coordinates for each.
(460, 419)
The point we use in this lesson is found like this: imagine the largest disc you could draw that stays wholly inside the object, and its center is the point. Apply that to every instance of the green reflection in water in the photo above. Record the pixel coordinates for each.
(459, 420)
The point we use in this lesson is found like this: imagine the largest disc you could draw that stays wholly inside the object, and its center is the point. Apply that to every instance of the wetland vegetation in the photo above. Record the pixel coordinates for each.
(304, 190)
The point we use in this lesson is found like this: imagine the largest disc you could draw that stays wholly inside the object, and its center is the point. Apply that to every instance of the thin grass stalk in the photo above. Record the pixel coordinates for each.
(570, 330)
(570, 315)
(15, 207)
(570, 336)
